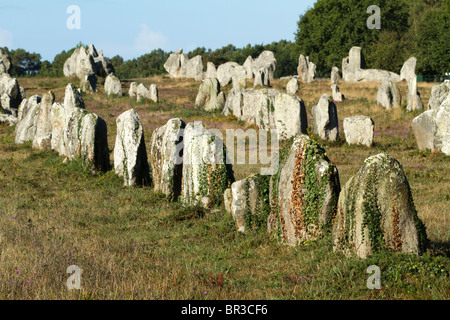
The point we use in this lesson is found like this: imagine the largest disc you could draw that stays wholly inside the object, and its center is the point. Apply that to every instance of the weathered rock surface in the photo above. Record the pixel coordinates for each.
(43, 136)
(438, 95)
(166, 158)
(359, 130)
(113, 86)
(432, 128)
(336, 94)
(205, 169)
(388, 95)
(261, 78)
(211, 71)
(292, 86)
(178, 65)
(335, 75)
(408, 73)
(325, 119)
(376, 211)
(132, 92)
(84, 62)
(142, 93)
(26, 126)
(304, 193)
(353, 69)
(5, 62)
(130, 155)
(209, 96)
(266, 61)
(306, 69)
(11, 93)
(226, 71)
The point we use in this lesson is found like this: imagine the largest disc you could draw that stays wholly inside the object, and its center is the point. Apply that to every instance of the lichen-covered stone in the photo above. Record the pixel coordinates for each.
(26, 126)
(205, 168)
(388, 95)
(209, 96)
(166, 158)
(113, 86)
(130, 155)
(438, 95)
(292, 86)
(304, 193)
(359, 130)
(376, 211)
(43, 136)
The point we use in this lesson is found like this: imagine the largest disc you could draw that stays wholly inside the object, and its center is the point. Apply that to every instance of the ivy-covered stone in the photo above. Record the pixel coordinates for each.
(376, 211)
(166, 158)
(304, 193)
(205, 169)
(130, 155)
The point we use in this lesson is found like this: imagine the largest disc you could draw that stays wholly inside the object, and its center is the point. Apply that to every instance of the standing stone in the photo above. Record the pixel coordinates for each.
(166, 158)
(225, 73)
(337, 95)
(246, 206)
(142, 93)
(209, 96)
(113, 86)
(153, 93)
(193, 68)
(239, 77)
(432, 128)
(10, 87)
(234, 103)
(438, 95)
(26, 126)
(266, 61)
(84, 134)
(205, 170)
(376, 211)
(304, 194)
(335, 75)
(248, 66)
(130, 155)
(388, 95)
(43, 136)
(178, 65)
(292, 86)
(211, 71)
(132, 92)
(359, 130)
(5, 62)
(290, 116)
(261, 78)
(58, 118)
(408, 73)
(306, 70)
(325, 119)
(89, 83)
(26, 104)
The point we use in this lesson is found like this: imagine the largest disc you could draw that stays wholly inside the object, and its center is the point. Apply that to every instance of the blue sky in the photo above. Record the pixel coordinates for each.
(132, 28)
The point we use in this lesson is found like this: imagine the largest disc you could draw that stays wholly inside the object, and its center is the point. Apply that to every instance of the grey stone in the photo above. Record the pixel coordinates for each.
(388, 95)
(359, 130)
(113, 86)
(325, 119)
(209, 96)
(376, 211)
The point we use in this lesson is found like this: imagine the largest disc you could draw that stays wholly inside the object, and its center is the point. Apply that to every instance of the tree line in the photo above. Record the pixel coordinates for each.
(325, 33)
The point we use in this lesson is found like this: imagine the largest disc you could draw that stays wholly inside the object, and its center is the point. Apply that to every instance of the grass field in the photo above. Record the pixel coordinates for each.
(131, 243)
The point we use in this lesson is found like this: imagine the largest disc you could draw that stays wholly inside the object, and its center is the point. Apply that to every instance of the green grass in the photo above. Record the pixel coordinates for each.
(131, 243)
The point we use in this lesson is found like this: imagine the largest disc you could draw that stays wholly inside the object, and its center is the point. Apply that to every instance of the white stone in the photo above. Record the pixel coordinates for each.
(325, 119)
(113, 86)
(359, 130)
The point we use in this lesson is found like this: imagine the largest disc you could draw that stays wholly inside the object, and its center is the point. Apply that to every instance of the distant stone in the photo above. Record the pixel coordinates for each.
(292, 86)
(359, 130)
(209, 96)
(166, 158)
(153, 90)
(43, 136)
(261, 78)
(438, 95)
(130, 155)
(225, 73)
(266, 61)
(408, 73)
(335, 75)
(432, 128)
(89, 83)
(325, 119)
(132, 92)
(248, 66)
(336, 94)
(113, 86)
(376, 212)
(178, 65)
(388, 95)
(211, 71)
(5, 62)
(306, 69)
(290, 116)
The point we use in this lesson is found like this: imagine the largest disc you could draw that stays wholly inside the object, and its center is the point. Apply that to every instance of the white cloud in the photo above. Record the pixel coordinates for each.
(6, 38)
(148, 40)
